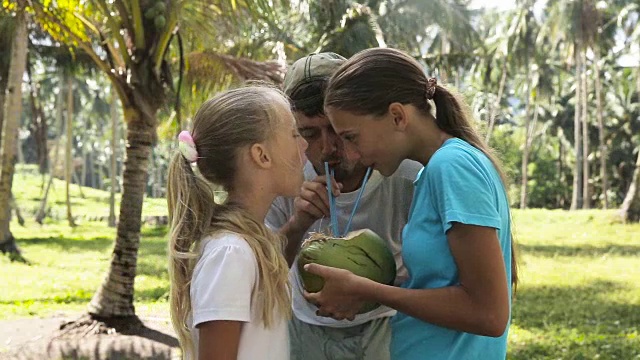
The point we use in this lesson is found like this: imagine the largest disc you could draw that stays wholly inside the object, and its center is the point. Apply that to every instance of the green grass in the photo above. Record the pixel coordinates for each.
(28, 190)
(579, 296)
(580, 287)
(68, 265)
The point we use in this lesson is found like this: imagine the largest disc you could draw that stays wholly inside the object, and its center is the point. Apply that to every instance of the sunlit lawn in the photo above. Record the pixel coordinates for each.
(68, 265)
(580, 292)
(579, 296)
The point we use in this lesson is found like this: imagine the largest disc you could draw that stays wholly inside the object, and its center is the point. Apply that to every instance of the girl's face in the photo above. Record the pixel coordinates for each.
(372, 140)
(288, 151)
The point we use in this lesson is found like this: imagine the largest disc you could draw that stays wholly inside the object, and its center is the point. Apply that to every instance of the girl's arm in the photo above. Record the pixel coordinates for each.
(219, 340)
(479, 304)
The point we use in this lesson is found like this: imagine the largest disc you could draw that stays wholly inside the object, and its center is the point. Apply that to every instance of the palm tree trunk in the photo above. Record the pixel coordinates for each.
(14, 206)
(38, 124)
(525, 151)
(113, 169)
(43, 203)
(586, 193)
(3, 88)
(527, 129)
(83, 172)
(630, 210)
(601, 132)
(11, 122)
(114, 299)
(68, 166)
(496, 104)
(576, 196)
(444, 52)
(56, 152)
(560, 170)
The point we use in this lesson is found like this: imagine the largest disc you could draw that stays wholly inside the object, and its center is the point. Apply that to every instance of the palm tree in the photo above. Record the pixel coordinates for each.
(134, 38)
(113, 163)
(629, 20)
(68, 159)
(12, 110)
(502, 49)
(570, 26)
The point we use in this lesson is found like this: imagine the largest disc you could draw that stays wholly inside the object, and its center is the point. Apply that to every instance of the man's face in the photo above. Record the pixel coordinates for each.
(325, 146)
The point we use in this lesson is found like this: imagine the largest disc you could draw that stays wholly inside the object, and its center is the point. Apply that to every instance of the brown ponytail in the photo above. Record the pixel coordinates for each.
(375, 78)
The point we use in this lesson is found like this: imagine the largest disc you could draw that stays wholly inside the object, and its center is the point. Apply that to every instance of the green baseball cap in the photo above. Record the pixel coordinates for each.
(311, 67)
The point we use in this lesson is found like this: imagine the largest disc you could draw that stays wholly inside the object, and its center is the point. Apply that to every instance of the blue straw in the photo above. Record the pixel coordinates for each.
(355, 206)
(333, 209)
(332, 215)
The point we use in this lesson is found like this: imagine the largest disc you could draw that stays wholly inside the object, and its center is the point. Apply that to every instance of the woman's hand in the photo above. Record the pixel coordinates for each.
(339, 297)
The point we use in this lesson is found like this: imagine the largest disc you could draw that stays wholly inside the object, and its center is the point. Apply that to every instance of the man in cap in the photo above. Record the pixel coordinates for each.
(383, 208)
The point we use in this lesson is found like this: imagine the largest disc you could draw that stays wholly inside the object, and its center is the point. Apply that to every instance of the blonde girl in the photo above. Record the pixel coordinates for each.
(229, 291)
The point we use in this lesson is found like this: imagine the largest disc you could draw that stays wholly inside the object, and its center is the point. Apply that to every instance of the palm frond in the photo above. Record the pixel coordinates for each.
(210, 66)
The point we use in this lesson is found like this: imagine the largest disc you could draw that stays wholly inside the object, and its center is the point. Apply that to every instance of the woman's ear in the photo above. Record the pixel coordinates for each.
(260, 156)
(398, 114)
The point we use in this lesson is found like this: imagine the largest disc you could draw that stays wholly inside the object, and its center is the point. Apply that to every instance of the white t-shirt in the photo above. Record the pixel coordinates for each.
(383, 208)
(224, 287)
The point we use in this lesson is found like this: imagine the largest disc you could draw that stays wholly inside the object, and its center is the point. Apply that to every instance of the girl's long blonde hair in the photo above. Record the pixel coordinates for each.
(230, 121)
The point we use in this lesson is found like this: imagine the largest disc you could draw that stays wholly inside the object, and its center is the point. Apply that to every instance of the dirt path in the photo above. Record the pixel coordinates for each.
(31, 338)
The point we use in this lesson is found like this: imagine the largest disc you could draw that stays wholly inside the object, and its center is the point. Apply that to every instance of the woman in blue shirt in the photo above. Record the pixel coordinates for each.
(457, 244)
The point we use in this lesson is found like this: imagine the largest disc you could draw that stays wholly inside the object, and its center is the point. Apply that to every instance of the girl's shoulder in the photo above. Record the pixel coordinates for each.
(222, 249)
(225, 239)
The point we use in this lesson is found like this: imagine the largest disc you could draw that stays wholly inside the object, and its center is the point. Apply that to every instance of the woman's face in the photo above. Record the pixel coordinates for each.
(372, 140)
(288, 151)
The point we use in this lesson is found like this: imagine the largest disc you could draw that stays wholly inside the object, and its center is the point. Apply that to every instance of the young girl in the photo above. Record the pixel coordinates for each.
(229, 292)
(457, 244)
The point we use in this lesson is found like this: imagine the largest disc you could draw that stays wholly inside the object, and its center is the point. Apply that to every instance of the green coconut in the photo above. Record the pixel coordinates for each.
(362, 252)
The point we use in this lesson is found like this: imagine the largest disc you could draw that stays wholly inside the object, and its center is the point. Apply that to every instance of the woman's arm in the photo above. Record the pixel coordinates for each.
(219, 340)
(479, 304)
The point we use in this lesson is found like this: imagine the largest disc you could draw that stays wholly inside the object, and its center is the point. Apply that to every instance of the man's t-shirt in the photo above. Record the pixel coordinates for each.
(383, 208)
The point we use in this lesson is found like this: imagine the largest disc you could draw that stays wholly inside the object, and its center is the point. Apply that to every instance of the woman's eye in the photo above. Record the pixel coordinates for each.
(350, 138)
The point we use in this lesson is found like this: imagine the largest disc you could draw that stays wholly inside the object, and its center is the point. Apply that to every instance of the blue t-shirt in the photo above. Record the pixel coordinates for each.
(459, 184)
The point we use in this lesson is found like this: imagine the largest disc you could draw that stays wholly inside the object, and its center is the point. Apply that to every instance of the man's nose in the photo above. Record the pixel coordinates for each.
(329, 143)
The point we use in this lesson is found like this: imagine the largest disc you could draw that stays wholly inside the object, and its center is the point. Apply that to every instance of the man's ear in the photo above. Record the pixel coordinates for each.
(398, 115)
(261, 156)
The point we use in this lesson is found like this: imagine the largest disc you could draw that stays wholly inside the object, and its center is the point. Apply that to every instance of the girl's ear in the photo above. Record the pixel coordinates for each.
(261, 156)
(398, 114)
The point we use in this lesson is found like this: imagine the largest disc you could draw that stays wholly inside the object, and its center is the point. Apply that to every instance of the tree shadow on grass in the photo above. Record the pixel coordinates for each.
(149, 244)
(576, 322)
(580, 250)
(147, 344)
(153, 294)
(72, 245)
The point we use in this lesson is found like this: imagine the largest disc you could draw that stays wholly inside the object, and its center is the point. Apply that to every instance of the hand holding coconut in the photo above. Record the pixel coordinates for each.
(338, 298)
(332, 267)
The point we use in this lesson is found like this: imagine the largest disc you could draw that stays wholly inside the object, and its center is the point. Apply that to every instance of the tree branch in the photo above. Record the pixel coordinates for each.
(138, 31)
(44, 15)
(114, 25)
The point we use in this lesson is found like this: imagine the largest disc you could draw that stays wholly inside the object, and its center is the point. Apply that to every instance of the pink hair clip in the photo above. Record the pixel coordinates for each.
(187, 146)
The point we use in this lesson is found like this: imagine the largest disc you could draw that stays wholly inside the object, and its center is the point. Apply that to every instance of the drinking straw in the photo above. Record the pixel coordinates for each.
(355, 206)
